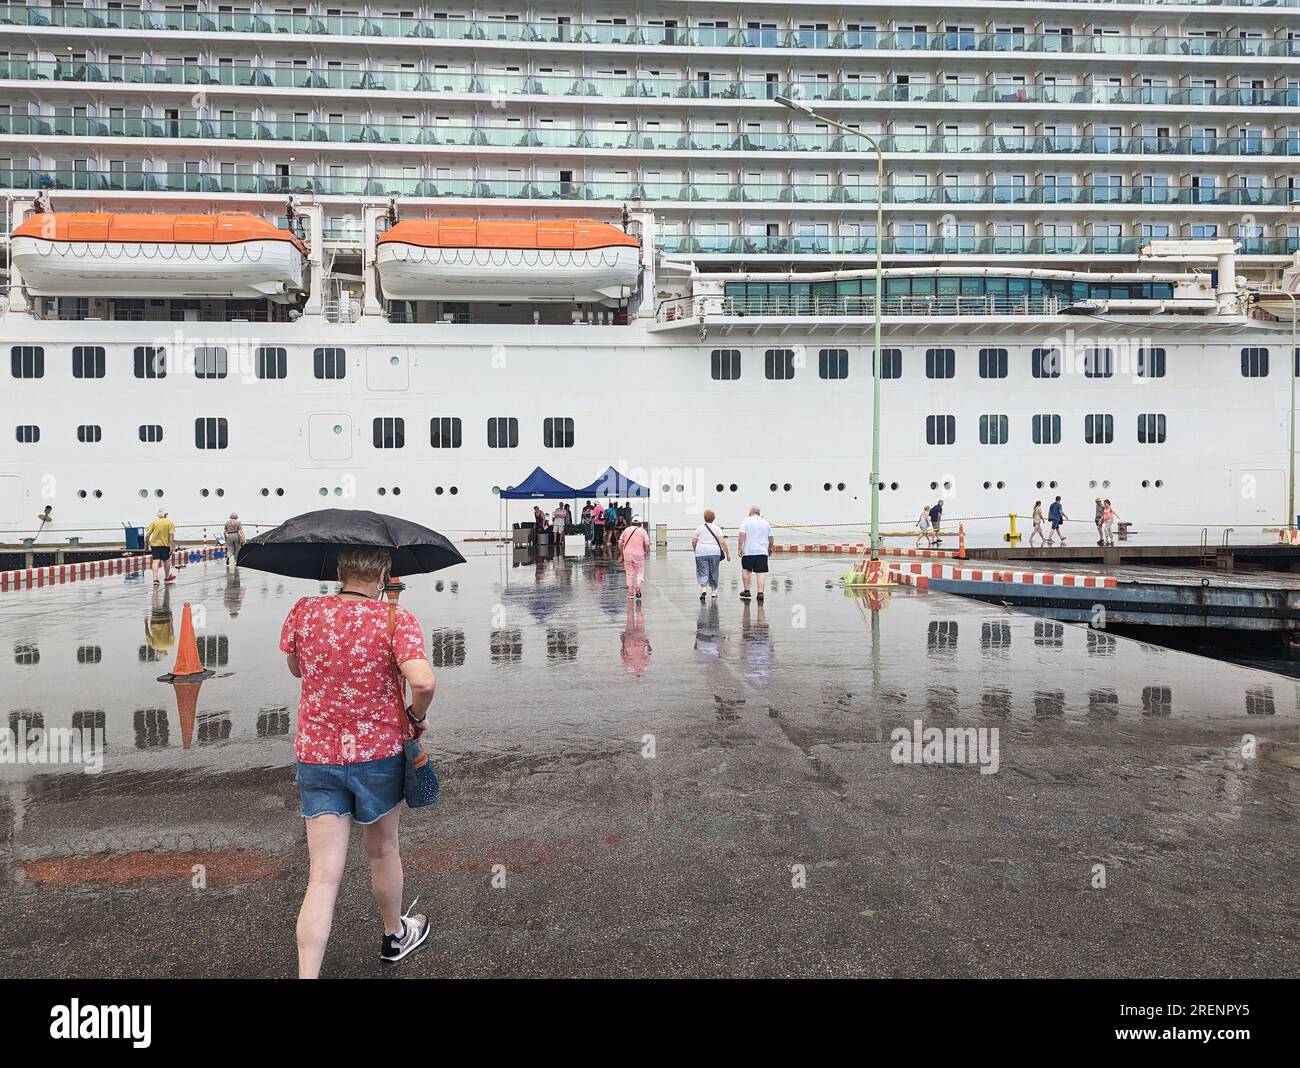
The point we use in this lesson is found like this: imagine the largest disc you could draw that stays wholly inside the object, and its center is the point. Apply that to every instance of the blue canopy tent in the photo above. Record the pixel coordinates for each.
(612, 484)
(540, 485)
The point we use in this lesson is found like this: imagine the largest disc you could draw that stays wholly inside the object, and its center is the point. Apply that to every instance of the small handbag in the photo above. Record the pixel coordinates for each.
(420, 781)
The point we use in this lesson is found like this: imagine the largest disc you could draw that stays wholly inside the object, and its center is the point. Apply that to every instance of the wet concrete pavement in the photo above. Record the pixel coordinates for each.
(770, 833)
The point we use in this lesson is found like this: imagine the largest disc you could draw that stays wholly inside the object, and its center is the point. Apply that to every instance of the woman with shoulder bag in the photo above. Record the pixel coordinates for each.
(355, 655)
(710, 550)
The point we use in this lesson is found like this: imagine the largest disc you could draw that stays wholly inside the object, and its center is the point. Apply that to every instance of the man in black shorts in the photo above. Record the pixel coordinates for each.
(756, 542)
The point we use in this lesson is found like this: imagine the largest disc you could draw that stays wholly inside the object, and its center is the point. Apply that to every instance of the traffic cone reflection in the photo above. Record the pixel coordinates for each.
(187, 701)
(188, 666)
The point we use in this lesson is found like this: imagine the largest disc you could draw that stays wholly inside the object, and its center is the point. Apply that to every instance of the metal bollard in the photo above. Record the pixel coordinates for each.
(1012, 536)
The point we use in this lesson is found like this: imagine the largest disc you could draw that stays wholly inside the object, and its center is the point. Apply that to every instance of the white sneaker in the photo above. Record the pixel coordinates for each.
(415, 929)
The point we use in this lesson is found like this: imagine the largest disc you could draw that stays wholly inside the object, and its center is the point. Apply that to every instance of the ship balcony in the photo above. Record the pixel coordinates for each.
(439, 84)
(640, 36)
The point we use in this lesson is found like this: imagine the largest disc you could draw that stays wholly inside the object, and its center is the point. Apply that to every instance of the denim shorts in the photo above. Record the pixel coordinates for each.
(365, 791)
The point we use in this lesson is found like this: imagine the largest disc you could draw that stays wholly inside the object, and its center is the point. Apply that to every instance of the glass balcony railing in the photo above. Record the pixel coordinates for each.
(942, 246)
(555, 31)
(383, 80)
(230, 180)
(343, 134)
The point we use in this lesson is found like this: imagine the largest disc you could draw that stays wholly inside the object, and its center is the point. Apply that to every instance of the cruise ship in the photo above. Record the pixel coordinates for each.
(266, 258)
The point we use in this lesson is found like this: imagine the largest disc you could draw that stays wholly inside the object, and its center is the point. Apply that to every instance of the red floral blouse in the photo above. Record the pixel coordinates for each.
(350, 704)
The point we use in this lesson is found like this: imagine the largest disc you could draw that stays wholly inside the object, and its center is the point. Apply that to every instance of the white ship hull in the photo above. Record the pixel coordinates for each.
(644, 400)
(144, 270)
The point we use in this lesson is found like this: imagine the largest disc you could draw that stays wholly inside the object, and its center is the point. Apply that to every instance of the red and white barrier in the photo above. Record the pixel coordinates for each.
(55, 574)
(826, 547)
(1030, 578)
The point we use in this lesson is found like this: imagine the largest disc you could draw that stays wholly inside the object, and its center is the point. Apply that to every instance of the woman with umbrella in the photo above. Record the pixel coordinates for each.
(356, 655)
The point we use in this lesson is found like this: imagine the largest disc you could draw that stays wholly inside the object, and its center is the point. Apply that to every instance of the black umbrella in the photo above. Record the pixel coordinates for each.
(307, 546)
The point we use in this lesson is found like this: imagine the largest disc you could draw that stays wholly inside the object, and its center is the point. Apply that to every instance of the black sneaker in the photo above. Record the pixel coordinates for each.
(415, 929)
(701, 595)
(744, 595)
(759, 598)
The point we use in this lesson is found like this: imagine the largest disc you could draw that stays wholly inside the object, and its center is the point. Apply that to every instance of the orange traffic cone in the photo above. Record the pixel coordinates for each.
(188, 666)
(187, 701)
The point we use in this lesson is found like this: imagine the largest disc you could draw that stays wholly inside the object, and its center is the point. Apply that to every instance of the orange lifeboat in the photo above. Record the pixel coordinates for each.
(90, 254)
(565, 260)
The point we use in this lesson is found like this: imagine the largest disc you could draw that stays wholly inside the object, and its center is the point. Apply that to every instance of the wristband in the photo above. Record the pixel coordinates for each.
(410, 709)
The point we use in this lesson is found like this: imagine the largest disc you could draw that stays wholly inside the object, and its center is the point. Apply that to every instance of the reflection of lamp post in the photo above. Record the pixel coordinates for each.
(799, 105)
(1290, 456)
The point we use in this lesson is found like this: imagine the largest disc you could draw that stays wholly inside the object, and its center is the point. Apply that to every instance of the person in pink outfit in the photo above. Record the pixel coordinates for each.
(633, 545)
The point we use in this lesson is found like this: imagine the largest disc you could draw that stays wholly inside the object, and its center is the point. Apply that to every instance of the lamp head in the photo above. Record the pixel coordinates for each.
(794, 104)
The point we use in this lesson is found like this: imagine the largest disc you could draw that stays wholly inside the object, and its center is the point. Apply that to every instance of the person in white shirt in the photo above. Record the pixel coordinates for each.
(710, 550)
(755, 544)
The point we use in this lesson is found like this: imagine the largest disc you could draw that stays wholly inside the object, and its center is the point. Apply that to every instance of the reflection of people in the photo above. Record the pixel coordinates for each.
(756, 645)
(233, 594)
(161, 537)
(355, 664)
(708, 631)
(159, 630)
(635, 646)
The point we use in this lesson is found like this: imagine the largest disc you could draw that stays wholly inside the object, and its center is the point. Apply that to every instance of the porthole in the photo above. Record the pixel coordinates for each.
(1039, 484)
(1002, 485)
(453, 491)
(203, 493)
(734, 487)
(338, 429)
(279, 491)
(947, 485)
(827, 487)
(987, 485)
(81, 493)
(719, 487)
(1159, 482)
(1092, 484)
(381, 491)
(394, 360)
(681, 488)
(786, 487)
(323, 492)
(1105, 483)
(840, 486)
(1052, 484)
(220, 492)
(1146, 483)
(438, 491)
(338, 491)
(99, 493)
(934, 485)
(265, 492)
(893, 485)
(772, 487)
(397, 491)
(880, 485)
(157, 493)
(144, 493)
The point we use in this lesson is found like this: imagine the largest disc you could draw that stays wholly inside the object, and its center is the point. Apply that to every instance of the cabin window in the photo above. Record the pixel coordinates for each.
(444, 432)
(557, 433)
(151, 433)
(993, 429)
(940, 429)
(330, 362)
(28, 434)
(27, 361)
(1098, 363)
(725, 364)
(891, 363)
(833, 363)
(1254, 363)
(271, 363)
(1046, 429)
(778, 364)
(503, 432)
(88, 361)
(210, 362)
(1151, 429)
(1045, 363)
(940, 363)
(90, 433)
(1098, 429)
(211, 433)
(150, 362)
(1151, 363)
(993, 363)
(389, 432)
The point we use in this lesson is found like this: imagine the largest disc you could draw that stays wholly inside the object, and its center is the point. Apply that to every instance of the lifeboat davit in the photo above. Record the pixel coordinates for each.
(233, 255)
(568, 260)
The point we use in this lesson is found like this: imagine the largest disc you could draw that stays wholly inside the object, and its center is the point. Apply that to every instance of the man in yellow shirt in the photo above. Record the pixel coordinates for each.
(162, 539)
